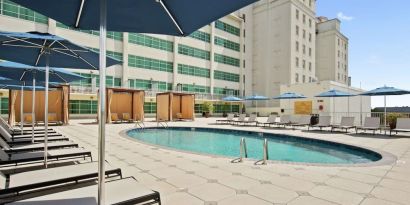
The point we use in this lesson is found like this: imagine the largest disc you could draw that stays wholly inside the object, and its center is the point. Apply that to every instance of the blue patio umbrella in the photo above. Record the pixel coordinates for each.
(21, 74)
(43, 49)
(335, 94)
(256, 98)
(169, 17)
(385, 91)
(231, 99)
(289, 96)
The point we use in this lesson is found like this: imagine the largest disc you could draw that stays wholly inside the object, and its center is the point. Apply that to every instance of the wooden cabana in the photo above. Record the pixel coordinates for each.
(125, 105)
(58, 99)
(175, 106)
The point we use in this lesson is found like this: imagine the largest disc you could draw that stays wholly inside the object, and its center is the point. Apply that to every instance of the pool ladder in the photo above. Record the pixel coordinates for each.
(163, 124)
(140, 124)
(243, 153)
(265, 154)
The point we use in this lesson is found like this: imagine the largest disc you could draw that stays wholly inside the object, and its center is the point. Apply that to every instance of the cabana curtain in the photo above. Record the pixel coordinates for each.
(128, 104)
(109, 100)
(12, 115)
(175, 106)
(66, 96)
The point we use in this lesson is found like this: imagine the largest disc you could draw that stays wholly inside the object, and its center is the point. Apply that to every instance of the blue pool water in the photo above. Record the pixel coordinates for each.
(280, 147)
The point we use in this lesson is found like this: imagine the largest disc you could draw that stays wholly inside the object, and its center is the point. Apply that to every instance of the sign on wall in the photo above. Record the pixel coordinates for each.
(303, 107)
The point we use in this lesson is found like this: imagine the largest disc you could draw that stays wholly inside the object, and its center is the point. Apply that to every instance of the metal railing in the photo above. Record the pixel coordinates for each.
(265, 158)
(243, 153)
(359, 117)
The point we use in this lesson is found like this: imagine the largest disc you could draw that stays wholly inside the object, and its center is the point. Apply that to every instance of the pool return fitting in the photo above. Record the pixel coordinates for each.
(265, 154)
(243, 153)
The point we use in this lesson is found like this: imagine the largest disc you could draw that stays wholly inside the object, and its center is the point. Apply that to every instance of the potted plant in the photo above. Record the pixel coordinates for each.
(392, 119)
(207, 108)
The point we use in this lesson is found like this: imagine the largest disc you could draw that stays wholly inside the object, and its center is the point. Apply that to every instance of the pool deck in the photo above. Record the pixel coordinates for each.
(186, 178)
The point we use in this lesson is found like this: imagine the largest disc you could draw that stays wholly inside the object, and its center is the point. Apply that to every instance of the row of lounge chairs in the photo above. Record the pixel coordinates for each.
(17, 154)
(346, 123)
(125, 117)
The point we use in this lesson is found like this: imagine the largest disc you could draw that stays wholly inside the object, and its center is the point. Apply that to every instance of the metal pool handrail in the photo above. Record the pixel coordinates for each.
(243, 152)
(265, 153)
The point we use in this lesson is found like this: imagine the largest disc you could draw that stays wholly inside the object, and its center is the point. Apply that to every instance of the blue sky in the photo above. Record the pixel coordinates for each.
(379, 39)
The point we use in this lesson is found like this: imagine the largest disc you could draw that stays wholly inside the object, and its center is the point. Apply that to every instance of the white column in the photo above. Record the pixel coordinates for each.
(125, 73)
(211, 60)
(175, 63)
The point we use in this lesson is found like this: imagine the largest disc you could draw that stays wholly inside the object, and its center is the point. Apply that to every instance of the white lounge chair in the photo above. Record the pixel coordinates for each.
(284, 120)
(302, 121)
(251, 119)
(241, 118)
(345, 124)
(17, 130)
(402, 125)
(324, 121)
(32, 157)
(370, 123)
(122, 191)
(11, 140)
(36, 146)
(270, 121)
(228, 119)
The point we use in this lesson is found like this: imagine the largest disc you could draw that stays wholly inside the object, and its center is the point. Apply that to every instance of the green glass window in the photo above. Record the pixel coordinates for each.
(220, 108)
(117, 82)
(198, 108)
(149, 85)
(113, 54)
(225, 91)
(150, 107)
(83, 106)
(194, 52)
(110, 34)
(195, 88)
(228, 28)
(194, 71)
(226, 60)
(149, 63)
(4, 105)
(87, 82)
(220, 75)
(227, 43)
(9, 8)
(202, 36)
(152, 42)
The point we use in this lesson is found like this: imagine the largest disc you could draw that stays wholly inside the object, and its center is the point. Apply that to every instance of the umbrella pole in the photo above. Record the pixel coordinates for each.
(21, 108)
(33, 116)
(348, 106)
(101, 115)
(256, 107)
(385, 115)
(46, 110)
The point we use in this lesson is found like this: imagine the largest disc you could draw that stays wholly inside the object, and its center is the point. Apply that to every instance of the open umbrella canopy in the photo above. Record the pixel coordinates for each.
(33, 48)
(232, 99)
(288, 96)
(171, 17)
(26, 73)
(256, 97)
(385, 91)
(334, 93)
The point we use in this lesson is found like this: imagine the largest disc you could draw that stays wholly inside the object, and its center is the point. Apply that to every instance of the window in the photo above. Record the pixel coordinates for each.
(310, 66)
(304, 34)
(225, 91)
(338, 64)
(150, 63)
(304, 49)
(297, 62)
(202, 36)
(149, 85)
(297, 46)
(226, 60)
(194, 71)
(310, 52)
(227, 27)
(194, 52)
(296, 77)
(297, 30)
(83, 106)
(150, 107)
(113, 54)
(303, 78)
(227, 43)
(4, 105)
(220, 75)
(338, 42)
(338, 76)
(310, 23)
(304, 64)
(195, 88)
(118, 36)
(9, 8)
(297, 14)
(152, 42)
(338, 53)
(304, 19)
(310, 37)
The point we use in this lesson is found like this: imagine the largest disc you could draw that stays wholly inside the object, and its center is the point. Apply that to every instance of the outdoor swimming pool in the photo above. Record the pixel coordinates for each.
(280, 147)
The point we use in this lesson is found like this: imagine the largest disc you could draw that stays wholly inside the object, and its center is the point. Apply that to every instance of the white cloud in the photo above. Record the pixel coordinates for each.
(344, 17)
